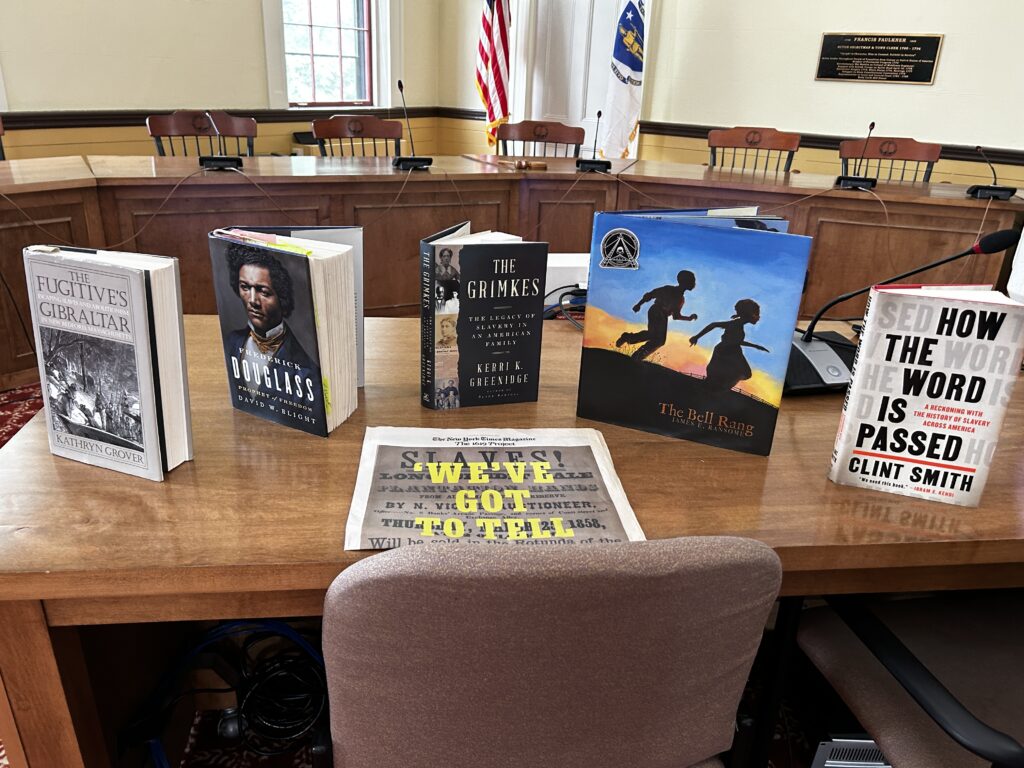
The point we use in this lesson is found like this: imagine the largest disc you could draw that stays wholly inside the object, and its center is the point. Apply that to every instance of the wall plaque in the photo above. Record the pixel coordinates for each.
(879, 58)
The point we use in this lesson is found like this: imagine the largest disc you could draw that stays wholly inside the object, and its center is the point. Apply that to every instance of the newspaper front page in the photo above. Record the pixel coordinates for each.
(537, 487)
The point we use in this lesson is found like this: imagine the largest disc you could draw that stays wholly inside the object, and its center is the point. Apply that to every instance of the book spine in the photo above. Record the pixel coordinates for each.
(426, 324)
(845, 423)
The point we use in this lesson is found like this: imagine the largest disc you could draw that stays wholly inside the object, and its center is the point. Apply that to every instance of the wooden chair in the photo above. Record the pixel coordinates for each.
(752, 149)
(534, 132)
(2, 155)
(889, 159)
(233, 127)
(385, 136)
(647, 645)
(201, 132)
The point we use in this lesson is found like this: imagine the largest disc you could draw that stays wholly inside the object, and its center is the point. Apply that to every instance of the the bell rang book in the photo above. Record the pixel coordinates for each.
(689, 323)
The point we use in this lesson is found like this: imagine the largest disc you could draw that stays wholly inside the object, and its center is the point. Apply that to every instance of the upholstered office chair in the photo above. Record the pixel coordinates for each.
(936, 681)
(358, 136)
(232, 130)
(475, 656)
(889, 159)
(752, 149)
(2, 155)
(542, 138)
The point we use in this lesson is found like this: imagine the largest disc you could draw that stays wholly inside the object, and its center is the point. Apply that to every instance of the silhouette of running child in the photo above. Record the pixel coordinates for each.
(668, 302)
(728, 367)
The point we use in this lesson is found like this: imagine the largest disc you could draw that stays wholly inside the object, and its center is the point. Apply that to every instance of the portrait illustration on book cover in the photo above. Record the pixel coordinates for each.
(269, 341)
(688, 326)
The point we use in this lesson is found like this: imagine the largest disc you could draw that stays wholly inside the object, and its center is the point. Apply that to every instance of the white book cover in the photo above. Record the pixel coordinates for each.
(93, 341)
(470, 487)
(933, 375)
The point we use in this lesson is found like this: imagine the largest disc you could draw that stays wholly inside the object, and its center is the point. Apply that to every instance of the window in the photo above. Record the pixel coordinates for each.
(327, 52)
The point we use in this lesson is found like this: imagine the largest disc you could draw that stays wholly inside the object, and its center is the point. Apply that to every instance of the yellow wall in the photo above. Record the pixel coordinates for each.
(457, 47)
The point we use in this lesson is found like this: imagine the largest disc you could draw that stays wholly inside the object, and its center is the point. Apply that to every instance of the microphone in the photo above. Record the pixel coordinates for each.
(593, 163)
(856, 181)
(220, 161)
(410, 163)
(990, 191)
(817, 364)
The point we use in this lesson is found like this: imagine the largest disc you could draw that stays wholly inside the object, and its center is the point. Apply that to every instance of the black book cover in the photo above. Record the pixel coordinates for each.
(265, 303)
(482, 317)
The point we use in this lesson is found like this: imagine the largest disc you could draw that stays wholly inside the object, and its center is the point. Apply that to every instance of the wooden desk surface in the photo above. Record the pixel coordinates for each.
(262, 508)
(44, 173)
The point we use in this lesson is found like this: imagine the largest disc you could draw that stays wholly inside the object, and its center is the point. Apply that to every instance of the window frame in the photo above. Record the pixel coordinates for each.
(368, 33)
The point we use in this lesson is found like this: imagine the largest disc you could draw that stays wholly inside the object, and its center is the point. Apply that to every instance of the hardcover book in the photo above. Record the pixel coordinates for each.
(481, 318)
(933, 374)
(287, 317)
(688, 324)
(111, 350)
(554, 487)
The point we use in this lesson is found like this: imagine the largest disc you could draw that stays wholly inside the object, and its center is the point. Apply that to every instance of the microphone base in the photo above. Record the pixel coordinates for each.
(855, 182)
(591, 165)
(990, 192)
(820, 365)
(219, 162)
(415, 163)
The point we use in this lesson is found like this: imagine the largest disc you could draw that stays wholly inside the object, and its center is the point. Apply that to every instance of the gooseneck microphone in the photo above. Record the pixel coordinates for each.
(856, 181)
(593, 163)
(410, 163)
(830, 371)
(991, 191)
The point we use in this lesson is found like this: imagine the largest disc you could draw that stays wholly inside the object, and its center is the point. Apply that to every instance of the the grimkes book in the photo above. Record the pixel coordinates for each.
(481, 318)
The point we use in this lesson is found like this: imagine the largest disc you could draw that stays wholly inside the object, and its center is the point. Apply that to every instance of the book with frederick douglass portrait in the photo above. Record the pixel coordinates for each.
(111, 347)
(481, 316)
(287, 317)
(688, 324)
(933, 374)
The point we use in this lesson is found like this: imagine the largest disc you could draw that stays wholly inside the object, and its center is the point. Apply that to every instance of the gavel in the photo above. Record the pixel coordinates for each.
(525, 165)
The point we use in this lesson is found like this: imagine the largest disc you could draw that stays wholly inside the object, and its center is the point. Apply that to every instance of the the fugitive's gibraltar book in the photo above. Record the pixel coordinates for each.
(933, 374)
(688, 324)
(287, 318)
(532, 487)
(482, 310)
(110, 344)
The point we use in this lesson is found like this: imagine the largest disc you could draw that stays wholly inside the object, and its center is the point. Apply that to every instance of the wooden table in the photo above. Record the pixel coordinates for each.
(253, 527)
(167, 206)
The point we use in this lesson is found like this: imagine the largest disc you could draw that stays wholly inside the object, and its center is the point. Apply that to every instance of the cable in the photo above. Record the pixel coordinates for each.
(155, 213)
(35, 223)
(564, 306)
(535, 230)
(382, 214)
(465, 213)
(266, 194)
(17, 311)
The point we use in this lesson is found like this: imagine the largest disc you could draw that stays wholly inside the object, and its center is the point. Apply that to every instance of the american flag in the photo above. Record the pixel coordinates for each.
(492, 64)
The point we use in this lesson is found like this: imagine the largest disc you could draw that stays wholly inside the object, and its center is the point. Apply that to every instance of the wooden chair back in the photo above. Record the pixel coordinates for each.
(358, 136)
(752, 149)
(232, 131)
(545, 136)
(2, 155)
(185, 131)
(889, 158)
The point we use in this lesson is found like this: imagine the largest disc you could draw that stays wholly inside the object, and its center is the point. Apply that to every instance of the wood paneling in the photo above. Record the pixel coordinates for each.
(165, 206)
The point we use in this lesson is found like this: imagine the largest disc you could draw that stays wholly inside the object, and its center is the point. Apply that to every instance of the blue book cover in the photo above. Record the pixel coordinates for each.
(688, 326)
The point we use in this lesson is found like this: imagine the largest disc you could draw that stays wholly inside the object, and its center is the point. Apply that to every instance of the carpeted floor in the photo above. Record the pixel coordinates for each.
(17, 406)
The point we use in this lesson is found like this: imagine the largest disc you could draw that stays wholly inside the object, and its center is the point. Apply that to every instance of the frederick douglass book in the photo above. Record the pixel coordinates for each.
(515, 487)
(933, 374)
(688, 324)
(482, 309)
(287, 318)
(110, 343)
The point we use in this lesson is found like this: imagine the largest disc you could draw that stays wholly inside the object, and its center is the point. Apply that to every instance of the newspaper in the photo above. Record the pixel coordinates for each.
(538, 487)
